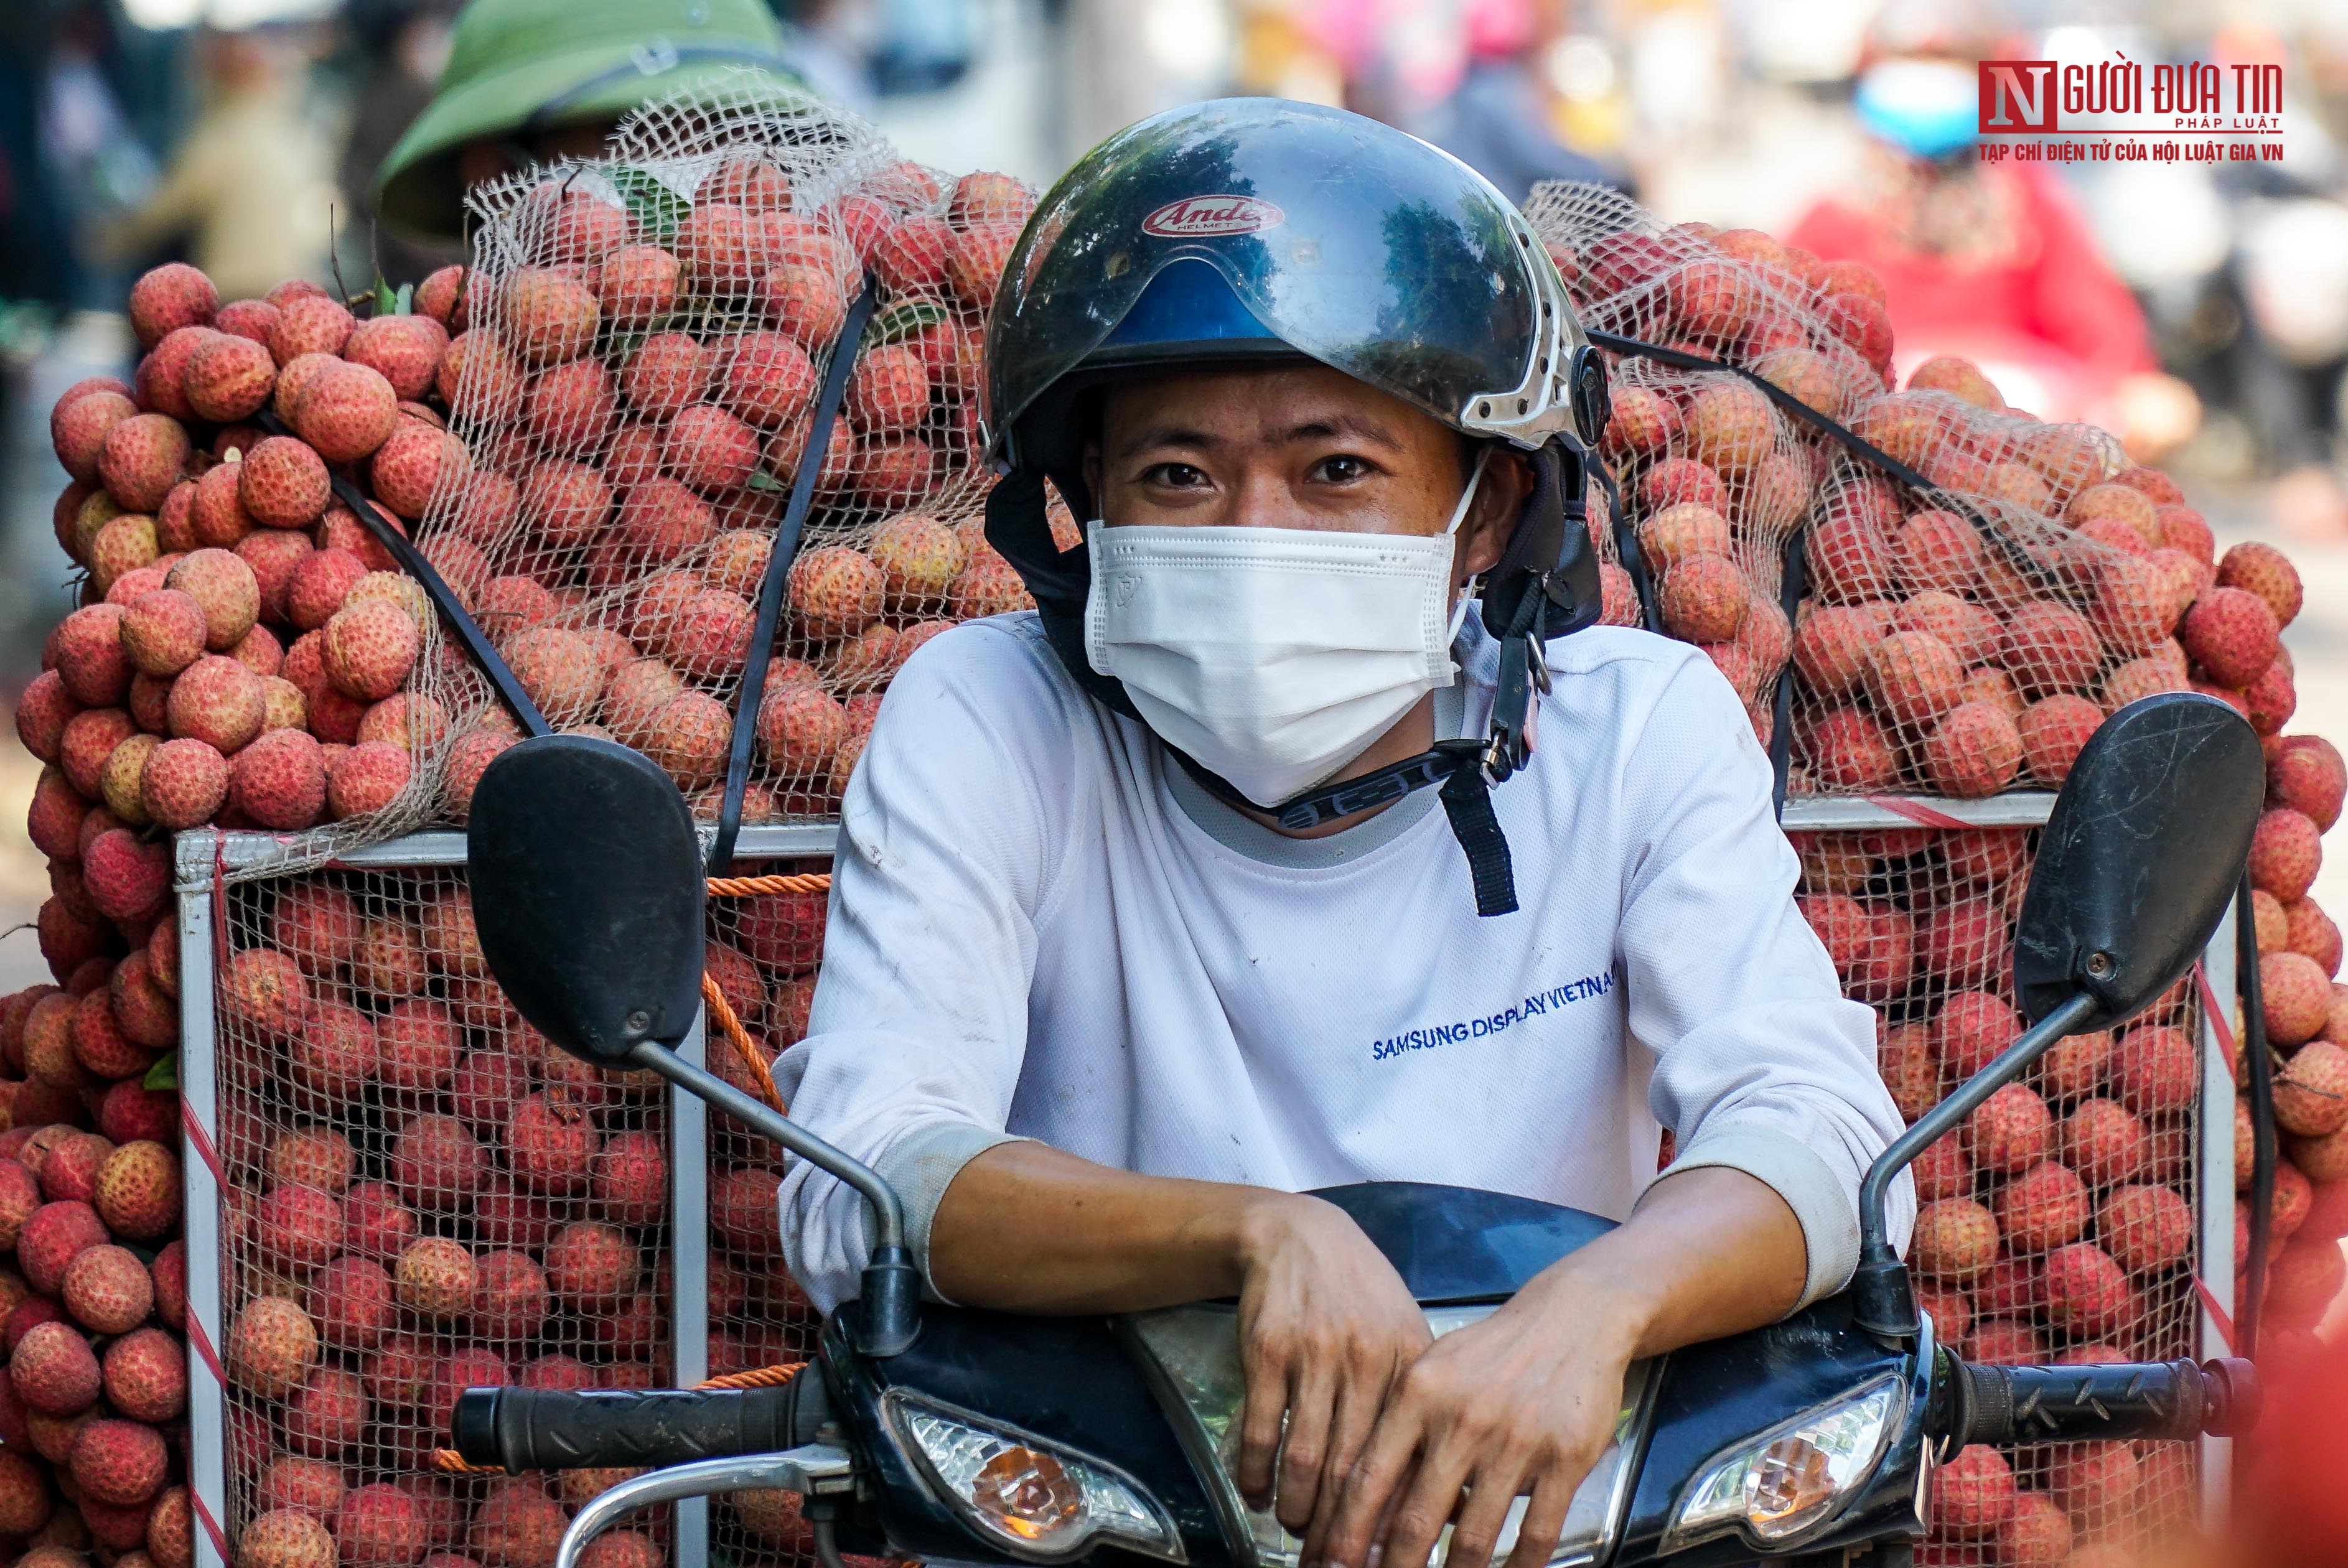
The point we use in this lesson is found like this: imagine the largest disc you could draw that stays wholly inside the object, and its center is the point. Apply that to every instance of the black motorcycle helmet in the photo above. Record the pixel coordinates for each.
(1251, 229)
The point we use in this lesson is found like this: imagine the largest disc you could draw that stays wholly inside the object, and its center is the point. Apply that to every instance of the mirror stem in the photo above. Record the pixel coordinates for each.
(1886, 1305)
(888, 1304)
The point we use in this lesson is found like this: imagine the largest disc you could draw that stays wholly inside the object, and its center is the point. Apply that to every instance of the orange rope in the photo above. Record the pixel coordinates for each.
(722, 1012)
(453, 1463)
(751, 887)
(756, 1377)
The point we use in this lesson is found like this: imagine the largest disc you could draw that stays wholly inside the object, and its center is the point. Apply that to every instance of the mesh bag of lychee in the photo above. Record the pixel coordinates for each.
(2059, 1221)
(419, 1195)
(1976, 588)
(647, 346)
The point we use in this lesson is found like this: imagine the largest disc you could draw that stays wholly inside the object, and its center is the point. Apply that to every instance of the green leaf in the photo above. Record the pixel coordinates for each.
(767, 484)
(164, 1075)
(901, 320)
(387, 303)
(658, 211)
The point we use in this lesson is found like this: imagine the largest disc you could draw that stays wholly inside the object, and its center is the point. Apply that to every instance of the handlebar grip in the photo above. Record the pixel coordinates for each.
(521, 1430)
(2107, 1402)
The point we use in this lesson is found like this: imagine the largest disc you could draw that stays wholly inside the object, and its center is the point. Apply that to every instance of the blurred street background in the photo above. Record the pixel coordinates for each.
(244, 135)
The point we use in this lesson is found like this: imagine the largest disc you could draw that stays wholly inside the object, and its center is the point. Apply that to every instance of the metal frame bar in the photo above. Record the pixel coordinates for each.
(688, 1256)
(199, 852)
(200, 1114)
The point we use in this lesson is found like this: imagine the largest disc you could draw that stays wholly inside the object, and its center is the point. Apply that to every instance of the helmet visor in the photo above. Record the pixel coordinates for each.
(1366, 249)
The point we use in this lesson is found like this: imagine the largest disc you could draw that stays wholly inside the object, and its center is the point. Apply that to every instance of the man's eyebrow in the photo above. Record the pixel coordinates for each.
(1327, 427)
(1182, 436)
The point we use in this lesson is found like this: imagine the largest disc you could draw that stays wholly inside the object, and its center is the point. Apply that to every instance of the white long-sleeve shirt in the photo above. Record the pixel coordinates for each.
(1041, 927)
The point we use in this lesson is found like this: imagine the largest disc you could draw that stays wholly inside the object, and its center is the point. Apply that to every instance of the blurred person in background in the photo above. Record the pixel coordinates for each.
(1994, 262)
(400, 50)
(1498, 120)
(528, 81)
(249, 195)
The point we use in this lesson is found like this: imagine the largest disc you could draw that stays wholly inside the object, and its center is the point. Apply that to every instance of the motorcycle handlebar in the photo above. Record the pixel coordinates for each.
(2104, 1403)
(521, 1430)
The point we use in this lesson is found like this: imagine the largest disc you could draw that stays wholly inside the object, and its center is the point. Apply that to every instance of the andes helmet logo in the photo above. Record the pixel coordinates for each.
(1200, 217)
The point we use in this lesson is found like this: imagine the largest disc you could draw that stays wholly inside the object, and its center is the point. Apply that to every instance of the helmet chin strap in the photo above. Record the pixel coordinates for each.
(1545, 585)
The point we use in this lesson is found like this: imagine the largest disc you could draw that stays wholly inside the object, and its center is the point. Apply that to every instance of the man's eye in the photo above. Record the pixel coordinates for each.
(1342, 469)
(1177, 476)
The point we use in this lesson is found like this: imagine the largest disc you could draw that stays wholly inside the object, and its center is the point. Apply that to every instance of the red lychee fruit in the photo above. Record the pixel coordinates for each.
(227, 378)
(1703, 599)
(413, 463)
(225, 590)
(54, 1371)
(434, 1278)
(2311, 1093)
(271, 1349)
(1955, 1240)
(768, 380)
(637, 283)
(478, 380)
(568, 407)
(2156, 1070)
(285, 1537)
(510, 1297)
(550, 316)
(366, 778)
(2044, 1207)
(591, 1267)
(138, 1191)
(1975, 750)
(436, 1164)
(2232, 632)
(2145, 1228)
(262, 991)
(107, 1290)
(1913, 679)
(2050, 647)
(2298, 997)
(140, 458)
(549, 1148)
(2266, 572)
(352, 1301)
(709, 448)
(836, 592)
(280, 780)
(1971, 1029)
(2012, 1132)
(2286, 851)
(345, 412)
(2085, 1292)
(126, 876)
(301, 1226)
(2104, 1143)
(2054, 730)
(169, 297)
(404, 350)
(370, 646)
(120, 1462)
(145, 1376)
(283, 483)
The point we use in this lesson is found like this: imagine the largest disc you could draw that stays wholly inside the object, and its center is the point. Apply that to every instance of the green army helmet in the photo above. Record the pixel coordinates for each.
(519, 67)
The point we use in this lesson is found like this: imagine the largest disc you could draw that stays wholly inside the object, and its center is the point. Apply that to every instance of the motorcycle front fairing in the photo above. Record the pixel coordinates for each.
(1094, 1390)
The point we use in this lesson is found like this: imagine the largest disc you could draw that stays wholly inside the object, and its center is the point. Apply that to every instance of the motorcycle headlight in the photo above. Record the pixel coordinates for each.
(1793, 1478)
(1036, 1498)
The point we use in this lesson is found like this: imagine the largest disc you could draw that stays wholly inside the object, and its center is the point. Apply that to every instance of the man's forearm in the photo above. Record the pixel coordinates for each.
(1025, 1227)
(1710, 1252)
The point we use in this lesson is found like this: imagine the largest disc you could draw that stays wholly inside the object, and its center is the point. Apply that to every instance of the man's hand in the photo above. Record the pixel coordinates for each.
(1326, 1329)
(1521, 1404)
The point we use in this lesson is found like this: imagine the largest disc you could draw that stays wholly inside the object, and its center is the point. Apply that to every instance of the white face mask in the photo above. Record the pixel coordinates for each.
(1273, 656)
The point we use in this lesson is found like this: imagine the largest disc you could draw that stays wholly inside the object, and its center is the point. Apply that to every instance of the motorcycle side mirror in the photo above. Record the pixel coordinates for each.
(2136, 865)
(589, 897)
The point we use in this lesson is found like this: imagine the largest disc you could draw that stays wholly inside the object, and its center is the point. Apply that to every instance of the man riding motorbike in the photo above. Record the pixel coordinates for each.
(1143, 924)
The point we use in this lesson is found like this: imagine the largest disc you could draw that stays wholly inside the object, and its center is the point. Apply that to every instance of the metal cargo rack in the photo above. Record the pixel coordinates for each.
(205, 855)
